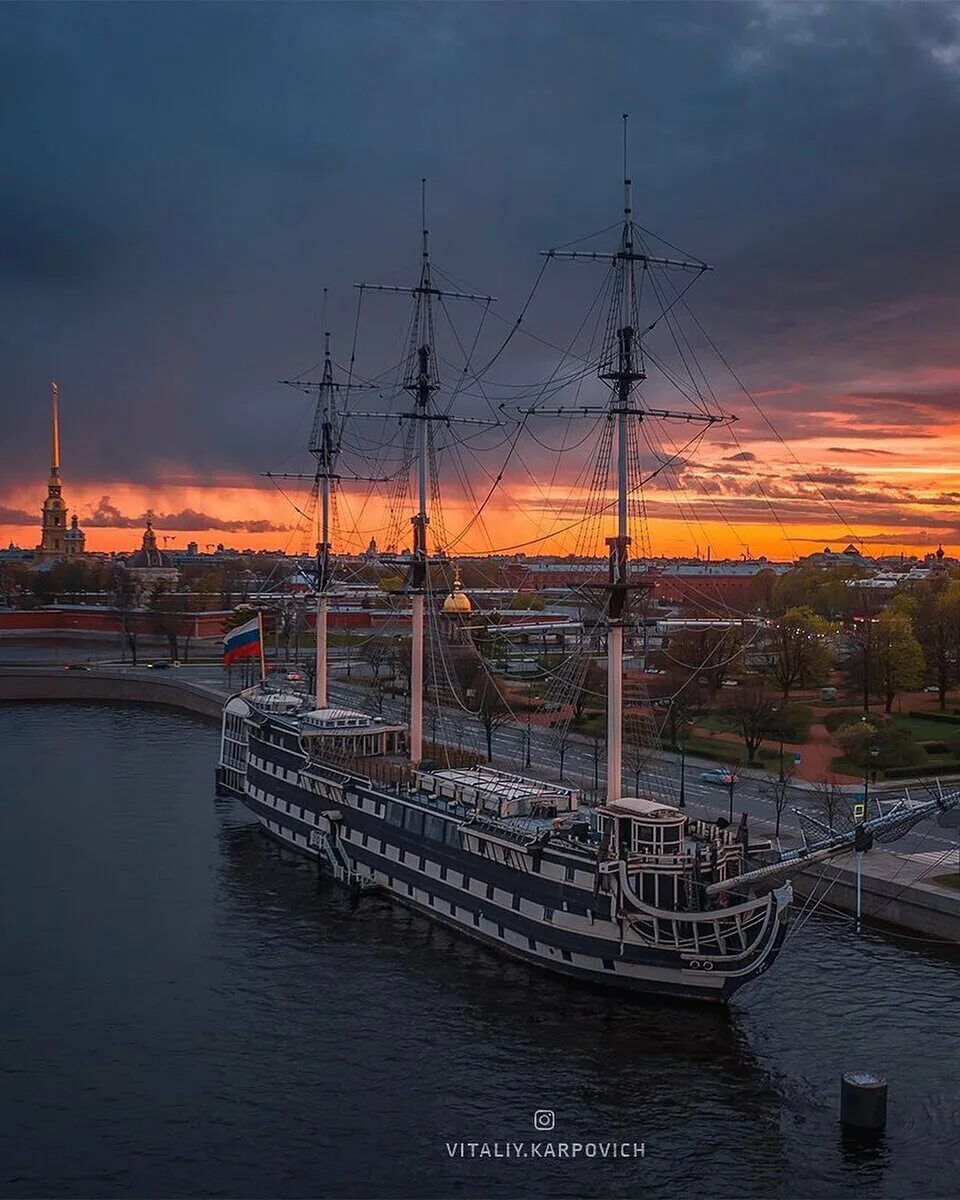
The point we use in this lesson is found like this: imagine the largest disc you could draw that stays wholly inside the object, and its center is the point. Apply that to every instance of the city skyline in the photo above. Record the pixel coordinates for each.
(172, 227)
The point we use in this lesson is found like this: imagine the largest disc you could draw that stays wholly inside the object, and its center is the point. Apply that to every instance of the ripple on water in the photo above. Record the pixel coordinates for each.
(186, 1012)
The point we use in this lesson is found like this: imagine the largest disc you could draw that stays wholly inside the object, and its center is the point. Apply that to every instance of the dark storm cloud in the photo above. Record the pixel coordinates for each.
(178, 183)
(108, 516)
(17, 516)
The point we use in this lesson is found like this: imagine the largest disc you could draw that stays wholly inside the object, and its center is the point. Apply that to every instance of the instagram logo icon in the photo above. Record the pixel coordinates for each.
(544, 1119)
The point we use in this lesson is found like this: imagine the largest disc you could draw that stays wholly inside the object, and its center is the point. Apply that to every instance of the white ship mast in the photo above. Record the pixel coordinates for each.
(421, 379)
(325, 447)
(622, 368)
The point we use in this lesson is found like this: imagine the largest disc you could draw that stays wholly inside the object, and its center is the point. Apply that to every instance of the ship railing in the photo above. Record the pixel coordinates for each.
(638, 859)
(508, 833)
(718, 934)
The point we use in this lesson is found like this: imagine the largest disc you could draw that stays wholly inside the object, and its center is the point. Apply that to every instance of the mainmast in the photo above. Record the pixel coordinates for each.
(421, 380)
(622, 379)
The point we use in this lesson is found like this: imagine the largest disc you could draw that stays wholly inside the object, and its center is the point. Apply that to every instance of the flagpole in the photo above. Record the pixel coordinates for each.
(263, 661)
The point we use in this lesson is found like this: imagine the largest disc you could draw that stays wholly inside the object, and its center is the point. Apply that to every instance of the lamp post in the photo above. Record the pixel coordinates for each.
(683, 772)
(861, 843)
(731, 783)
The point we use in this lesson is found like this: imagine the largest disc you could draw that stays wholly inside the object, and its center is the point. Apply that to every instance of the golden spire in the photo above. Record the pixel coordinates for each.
(55, 434)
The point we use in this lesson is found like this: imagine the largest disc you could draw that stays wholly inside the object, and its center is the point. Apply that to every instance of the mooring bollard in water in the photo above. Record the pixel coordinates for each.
(863, 1100)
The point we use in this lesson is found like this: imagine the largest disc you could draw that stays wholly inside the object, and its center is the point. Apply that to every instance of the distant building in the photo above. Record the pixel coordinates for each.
(56, 539)
(849, 556)
(149, 567)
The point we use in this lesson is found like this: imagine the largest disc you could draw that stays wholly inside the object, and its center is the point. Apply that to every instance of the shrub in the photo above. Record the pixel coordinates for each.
(946, 718)
(924, 772)
(795, 722)
(895, 746)
(849, 716)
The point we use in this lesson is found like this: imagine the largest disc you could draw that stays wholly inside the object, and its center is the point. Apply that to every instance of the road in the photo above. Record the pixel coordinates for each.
(581, 765)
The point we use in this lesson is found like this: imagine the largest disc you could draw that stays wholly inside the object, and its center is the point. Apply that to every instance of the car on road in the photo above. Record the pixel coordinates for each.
(718, 775)
(160, 666)
(933, 689)
(76, 667)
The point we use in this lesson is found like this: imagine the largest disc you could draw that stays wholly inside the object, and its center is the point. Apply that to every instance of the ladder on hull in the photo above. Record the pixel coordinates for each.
(332, 851)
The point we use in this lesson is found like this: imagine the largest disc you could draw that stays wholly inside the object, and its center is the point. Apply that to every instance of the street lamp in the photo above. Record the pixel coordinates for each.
(731, 782)
(776, 709)
(683, 773)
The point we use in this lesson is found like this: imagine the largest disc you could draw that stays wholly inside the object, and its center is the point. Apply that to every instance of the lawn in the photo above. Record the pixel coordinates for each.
(928, 731)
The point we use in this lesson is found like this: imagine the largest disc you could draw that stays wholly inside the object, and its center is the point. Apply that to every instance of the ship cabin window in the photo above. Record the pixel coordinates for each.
(413, 821)
(647, 837)
(433, 827)
(394, 813)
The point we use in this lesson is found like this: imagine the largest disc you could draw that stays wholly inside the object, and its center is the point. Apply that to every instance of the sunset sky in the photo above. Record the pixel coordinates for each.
(179, 183)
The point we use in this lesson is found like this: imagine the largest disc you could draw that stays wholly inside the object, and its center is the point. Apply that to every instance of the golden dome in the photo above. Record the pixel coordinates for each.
(458, 601)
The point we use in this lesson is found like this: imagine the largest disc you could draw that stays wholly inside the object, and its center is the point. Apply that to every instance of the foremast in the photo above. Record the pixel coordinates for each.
(324, 446)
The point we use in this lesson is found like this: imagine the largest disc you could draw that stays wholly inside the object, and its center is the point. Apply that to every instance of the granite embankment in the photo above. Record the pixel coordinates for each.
(110, 686)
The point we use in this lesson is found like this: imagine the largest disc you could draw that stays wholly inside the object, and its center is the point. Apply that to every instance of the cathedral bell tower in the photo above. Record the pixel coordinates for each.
(56, 539)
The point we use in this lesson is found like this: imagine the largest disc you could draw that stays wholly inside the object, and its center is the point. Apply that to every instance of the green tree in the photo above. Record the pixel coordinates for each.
(799, 650)
(824, 589)
(938, 630)
(898, 655)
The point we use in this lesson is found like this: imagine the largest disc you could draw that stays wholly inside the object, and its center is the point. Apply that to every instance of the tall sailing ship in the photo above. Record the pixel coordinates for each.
(631, 892)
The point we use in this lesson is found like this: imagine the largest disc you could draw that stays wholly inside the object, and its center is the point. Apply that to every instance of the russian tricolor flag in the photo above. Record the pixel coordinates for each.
(243, 642)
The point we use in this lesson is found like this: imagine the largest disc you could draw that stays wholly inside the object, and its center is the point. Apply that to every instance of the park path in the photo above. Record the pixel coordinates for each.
(816, 759)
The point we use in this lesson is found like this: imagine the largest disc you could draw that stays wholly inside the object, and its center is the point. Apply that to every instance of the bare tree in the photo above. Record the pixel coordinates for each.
(492, 711)
(166, 617)
(778, 790)
(830, 803)
(754, 714)
(377, 653)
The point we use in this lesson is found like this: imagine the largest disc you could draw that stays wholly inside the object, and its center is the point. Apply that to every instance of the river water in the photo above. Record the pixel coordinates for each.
(185, 1012)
